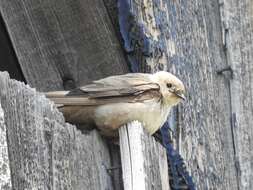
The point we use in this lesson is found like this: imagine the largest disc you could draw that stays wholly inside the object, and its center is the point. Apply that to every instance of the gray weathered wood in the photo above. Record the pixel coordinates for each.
(144, 161)
(205, 136)
(63, 43)
(44, 151)
(5, 176)
(191, 39)
(116, 171)
(185, 37)
(238, 37)
(56, 40)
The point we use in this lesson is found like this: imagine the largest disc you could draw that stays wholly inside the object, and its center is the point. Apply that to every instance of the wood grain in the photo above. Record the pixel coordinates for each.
(63, 44)
(44, 151)
(144, 161)
(194, 40)
(60, 45)
(5, 176)
(237, 28)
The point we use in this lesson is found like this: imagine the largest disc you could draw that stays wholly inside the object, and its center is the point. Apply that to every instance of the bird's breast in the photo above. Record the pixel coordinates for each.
(149, 113)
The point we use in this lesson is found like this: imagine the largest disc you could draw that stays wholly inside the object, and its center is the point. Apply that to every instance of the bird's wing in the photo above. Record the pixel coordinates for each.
(134, 87)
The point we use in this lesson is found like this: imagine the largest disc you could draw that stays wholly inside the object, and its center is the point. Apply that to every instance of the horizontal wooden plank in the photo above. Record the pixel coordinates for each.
(44, 151)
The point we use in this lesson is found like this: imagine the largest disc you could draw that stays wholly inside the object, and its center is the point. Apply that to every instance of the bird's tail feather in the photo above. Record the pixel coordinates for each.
(60, 98)
(56, 94)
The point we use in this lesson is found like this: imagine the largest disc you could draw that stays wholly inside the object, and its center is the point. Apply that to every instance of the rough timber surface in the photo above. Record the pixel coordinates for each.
(5, 176)
(237, 25)
(63, 43)
(187, 38)
(44, 151)
(144, 161)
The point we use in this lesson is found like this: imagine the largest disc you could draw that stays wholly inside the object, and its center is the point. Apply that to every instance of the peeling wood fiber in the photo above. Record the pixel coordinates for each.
(144, 161)
(194, 40)
(5, 177)
(69, 42)
(44, 151)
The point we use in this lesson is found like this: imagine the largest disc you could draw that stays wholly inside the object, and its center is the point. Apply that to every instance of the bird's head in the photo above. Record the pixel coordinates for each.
(172, 89)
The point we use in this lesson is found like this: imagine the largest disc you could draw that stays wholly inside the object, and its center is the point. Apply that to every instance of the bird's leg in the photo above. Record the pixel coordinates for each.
(158, 137)
(85, 128)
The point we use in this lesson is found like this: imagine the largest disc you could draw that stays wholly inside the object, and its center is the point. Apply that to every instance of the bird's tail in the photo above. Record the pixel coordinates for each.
(76, 109)
(56, 94)
(62, 98)
(58, 97)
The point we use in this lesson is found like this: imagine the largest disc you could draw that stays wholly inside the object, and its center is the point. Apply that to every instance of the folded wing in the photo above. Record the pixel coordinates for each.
(134, 87)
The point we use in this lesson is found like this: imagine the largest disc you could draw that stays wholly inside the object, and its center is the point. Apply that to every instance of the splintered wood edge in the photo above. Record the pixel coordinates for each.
(144, 161)
(73, 156)
(5, 174)
(132, 157)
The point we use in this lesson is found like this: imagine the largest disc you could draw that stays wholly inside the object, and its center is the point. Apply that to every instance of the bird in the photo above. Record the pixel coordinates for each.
(111, 102)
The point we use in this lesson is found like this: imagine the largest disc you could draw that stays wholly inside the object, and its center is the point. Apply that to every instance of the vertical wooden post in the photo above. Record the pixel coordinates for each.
(144, 161)
(237, 22)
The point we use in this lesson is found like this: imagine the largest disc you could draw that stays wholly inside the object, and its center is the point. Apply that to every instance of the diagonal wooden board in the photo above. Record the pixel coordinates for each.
(63, 43)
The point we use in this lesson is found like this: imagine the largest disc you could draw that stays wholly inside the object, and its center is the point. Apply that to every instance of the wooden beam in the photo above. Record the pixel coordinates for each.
(63, 44)
(44, 151)
(237, 20)
(195, 39)
(144, 161)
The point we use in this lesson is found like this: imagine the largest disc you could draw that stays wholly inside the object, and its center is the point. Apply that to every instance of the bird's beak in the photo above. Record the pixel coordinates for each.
(180, 95)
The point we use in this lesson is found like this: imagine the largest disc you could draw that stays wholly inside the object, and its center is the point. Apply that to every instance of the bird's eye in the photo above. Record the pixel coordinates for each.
(169, 85)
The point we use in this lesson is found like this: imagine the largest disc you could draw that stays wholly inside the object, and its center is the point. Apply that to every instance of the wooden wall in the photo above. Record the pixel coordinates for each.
(237, 25)
(62, 44)
(196, 40)
(44, 151)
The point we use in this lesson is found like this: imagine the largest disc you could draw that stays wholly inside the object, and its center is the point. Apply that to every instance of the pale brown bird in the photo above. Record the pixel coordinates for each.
(114, 101)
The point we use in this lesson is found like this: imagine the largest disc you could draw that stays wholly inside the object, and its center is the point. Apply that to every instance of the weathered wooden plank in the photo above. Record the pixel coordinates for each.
(63, 43)
(144, 161)
(206, 140)
(5, 176)
(44, 151)
(185, 37)
(76, 37)
(115, 170)
(237, 26)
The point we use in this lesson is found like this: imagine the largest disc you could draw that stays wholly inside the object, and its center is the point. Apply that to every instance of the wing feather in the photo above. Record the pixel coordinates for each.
(133, 87)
